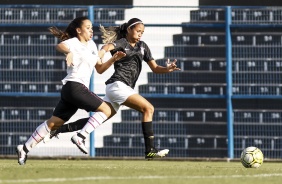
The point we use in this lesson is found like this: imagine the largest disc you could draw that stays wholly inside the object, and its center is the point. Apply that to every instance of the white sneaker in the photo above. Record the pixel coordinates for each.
(22, 156)
(163, 153)
(80, 143)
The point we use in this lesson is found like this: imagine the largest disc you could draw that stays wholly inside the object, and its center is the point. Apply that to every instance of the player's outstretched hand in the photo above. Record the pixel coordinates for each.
(171, 66)
(118, 55)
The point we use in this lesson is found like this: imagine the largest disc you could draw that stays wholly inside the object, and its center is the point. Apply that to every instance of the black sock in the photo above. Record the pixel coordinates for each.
(73, 126)
(147, 128)
(77, 125)
(62, 129)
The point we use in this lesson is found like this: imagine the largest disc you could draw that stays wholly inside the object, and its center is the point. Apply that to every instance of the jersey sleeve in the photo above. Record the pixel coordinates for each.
(147, 53)
(119, 45)
(69, 43)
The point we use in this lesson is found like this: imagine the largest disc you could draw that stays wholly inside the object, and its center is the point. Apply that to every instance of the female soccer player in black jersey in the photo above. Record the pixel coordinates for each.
(120, 86)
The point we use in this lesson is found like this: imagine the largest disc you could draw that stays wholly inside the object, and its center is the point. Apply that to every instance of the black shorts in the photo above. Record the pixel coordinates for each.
(76, 96)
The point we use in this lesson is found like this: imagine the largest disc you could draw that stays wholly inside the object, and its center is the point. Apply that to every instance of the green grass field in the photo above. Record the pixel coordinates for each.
(137, 172)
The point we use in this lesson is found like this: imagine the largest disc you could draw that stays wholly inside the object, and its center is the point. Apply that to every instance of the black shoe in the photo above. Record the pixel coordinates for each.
(154, 153)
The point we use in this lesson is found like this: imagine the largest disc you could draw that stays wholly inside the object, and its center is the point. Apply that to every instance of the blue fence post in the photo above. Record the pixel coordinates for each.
(229, 84)
(91, 87)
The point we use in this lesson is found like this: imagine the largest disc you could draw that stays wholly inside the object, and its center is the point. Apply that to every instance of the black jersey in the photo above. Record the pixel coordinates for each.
(128, 68)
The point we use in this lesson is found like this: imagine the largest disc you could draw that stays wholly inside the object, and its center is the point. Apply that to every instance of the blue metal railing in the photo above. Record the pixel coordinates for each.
(92, 136)
(229, 83)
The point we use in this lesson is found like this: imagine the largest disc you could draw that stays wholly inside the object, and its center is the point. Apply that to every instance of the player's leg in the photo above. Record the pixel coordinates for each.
(102, 111)
(140, 104)
(69, 127)
(94, 121)
(22, 150)
(62, 113)
(74, 126)
(118, 94)
(37, 136)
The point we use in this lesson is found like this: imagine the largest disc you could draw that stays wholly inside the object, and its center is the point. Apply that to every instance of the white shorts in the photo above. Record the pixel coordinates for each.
(117, 93)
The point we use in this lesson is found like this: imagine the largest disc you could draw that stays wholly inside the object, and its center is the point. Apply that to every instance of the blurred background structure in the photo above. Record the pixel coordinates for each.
(226, 97)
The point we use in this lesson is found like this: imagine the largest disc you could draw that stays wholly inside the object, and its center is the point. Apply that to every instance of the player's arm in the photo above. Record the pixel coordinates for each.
(170, 66)
(102, 67)
(63, 48)
(104, 49)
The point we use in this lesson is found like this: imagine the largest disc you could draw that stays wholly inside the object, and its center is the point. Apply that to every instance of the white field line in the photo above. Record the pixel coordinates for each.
(136, 178)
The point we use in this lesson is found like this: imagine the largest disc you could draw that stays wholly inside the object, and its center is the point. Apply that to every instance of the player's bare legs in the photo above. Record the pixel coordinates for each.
(140, 104)
(54, 123)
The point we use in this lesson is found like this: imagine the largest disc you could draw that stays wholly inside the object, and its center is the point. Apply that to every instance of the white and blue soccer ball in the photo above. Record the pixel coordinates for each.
(252, 157)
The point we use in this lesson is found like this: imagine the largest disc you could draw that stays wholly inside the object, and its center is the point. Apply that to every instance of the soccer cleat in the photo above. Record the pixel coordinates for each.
(80, 143)
(154, 153)
(22, 156)
(162, 153)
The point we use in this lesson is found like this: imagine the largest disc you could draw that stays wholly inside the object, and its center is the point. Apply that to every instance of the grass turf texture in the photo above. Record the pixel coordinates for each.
(136, 171)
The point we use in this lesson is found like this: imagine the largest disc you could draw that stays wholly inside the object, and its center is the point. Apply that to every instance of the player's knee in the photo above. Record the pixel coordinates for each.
(149, 110)
(106, 109)
(54, 123)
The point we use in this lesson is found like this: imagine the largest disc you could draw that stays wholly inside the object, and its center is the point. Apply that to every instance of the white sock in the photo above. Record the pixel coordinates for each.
(41, 131)
(93, 122)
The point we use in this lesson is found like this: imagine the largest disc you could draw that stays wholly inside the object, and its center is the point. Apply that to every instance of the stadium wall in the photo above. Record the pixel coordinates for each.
(240, 3)
(69, 2)
(131, 2)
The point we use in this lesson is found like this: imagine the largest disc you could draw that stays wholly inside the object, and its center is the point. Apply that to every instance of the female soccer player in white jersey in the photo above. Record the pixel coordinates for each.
(81, 57)
(120, 86)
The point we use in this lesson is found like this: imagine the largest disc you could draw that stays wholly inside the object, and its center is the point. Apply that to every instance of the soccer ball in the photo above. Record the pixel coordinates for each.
(251, 157)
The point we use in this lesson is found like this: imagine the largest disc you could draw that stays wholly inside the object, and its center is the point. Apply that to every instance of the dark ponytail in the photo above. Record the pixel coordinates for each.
(70, 31)
(113, 33)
